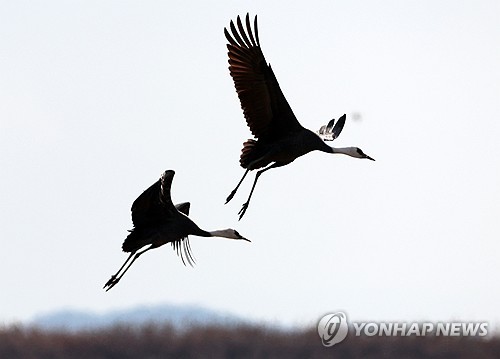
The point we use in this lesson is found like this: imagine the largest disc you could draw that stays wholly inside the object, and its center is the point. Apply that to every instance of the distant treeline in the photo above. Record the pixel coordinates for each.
(163, 341)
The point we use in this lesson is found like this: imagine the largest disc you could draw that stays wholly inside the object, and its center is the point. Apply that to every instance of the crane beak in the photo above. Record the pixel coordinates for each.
(239, 236)
(369, 158)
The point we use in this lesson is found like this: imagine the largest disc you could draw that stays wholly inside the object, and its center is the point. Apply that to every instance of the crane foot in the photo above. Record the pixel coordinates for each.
(243, 210)
(230, 197)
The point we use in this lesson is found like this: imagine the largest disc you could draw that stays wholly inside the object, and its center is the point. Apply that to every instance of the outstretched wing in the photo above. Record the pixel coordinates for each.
(330, 132)
(266, 110)
(154, 204)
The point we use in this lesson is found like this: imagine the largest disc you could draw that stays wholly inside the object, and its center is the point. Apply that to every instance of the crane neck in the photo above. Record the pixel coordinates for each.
(349, 151)
(224, 233)
(227, 233)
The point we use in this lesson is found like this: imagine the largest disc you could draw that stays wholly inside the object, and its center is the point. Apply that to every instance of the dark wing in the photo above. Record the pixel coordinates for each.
(183, 207)
(154, 204)
(264, 106)
(330, 132)
(337, 129)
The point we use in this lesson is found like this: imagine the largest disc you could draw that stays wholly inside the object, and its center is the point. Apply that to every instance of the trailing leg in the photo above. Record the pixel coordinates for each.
(113, 277)
(114, 280)
(245, 205)
(231, 195)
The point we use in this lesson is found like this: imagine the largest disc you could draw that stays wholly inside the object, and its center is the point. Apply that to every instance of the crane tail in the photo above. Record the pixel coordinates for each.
(247, 153)
(135, 241)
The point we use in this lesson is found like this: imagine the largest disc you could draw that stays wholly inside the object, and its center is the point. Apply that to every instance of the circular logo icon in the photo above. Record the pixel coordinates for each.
(332, 328)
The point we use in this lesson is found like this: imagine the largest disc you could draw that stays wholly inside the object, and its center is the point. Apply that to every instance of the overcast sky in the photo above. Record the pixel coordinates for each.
(98, 98)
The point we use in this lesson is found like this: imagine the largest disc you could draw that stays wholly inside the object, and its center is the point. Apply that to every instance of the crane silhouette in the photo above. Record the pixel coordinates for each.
(157, 222)
(280, 137)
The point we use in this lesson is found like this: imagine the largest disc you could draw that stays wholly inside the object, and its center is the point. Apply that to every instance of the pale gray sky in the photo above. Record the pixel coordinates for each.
(99, 98)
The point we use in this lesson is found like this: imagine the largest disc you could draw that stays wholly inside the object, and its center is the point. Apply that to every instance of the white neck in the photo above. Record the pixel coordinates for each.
(225, 233)
(350, 151)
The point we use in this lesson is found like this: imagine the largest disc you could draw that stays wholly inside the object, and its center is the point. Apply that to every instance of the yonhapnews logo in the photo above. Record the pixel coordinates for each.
(333, 328)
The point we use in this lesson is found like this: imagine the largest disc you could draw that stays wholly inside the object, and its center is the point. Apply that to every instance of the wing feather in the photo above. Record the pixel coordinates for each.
(249, 29)
(242, 32)
(237, 35)
(183, 250)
